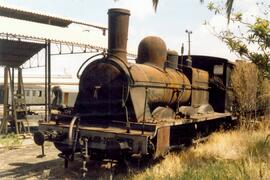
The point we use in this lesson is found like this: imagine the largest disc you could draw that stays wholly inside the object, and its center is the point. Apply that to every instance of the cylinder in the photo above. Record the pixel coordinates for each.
(40, 138)
(172, 59)
(118, 32)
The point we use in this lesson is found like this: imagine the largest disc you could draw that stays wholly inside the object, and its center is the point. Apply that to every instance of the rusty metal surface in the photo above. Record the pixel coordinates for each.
(163, 123)
(161, 84)
(110, 129)
(138, 95)
(105, 83)
(139, 144)
(163, 113)
(101, 88)
(164, 88)
(172, 59)
(118, 32)
(152, 50)
(163, 141)
(200, 93)
(194, 118)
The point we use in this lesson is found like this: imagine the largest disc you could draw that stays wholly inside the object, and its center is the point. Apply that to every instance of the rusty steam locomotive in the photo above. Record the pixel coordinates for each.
(139, 109)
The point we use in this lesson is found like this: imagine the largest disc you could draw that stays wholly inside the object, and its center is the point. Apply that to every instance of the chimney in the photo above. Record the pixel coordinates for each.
(118, 32)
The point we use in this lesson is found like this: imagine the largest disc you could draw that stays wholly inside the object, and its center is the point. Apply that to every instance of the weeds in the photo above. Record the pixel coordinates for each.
(10, 141)
(240, 154)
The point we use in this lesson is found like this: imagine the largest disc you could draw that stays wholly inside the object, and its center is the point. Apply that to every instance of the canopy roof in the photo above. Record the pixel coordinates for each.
(15, 53)
(32, 16)
(22, 35)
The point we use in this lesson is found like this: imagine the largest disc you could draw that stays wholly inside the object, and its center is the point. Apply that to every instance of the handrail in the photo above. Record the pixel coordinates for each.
(70, 130)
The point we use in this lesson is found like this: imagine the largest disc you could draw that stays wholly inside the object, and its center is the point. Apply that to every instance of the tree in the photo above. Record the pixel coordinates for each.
(251, 40)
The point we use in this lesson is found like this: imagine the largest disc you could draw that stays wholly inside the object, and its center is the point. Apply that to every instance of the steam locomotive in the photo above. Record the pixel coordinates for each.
(142, 109)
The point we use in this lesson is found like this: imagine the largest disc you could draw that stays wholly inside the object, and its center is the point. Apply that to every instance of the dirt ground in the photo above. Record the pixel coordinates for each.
(23, 163)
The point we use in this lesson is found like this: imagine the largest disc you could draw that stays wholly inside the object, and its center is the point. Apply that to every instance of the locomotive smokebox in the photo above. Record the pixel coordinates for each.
(118, 32)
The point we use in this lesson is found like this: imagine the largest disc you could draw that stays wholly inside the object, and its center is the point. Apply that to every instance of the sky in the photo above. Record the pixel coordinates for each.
(169, 22)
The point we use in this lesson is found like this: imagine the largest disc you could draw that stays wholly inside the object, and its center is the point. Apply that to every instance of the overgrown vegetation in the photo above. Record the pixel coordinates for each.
(10, 141)
(251, 92)
(237, 154)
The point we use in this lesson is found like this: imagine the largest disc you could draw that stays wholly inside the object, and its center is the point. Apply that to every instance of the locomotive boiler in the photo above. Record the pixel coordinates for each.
(133, 110)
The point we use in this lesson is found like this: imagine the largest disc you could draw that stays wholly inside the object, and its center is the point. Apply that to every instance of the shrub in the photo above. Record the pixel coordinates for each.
(250, 90)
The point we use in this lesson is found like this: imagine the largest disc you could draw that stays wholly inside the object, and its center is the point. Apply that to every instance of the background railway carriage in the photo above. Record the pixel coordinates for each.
(35, 94)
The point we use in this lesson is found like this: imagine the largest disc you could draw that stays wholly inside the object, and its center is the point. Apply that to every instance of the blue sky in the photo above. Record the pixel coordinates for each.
(169, 22)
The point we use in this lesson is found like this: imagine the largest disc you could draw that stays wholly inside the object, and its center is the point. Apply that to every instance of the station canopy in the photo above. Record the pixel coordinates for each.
(15, 53)
(16, 13)
(24, 33)
(39, 17)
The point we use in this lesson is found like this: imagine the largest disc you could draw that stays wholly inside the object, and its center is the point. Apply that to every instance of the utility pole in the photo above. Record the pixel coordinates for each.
(189, 60)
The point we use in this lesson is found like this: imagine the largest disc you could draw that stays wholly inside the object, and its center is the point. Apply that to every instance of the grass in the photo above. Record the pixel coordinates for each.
(10, 141)
(239, 154)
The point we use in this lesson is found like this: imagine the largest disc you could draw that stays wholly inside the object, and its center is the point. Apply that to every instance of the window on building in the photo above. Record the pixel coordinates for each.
(27, 93)
(33, 93)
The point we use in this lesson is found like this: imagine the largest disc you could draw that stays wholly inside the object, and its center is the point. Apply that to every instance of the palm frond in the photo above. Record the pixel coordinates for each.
(229, 5)
(155, 3)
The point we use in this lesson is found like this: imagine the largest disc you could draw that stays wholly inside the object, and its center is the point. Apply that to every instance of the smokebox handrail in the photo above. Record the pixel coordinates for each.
(79, 70)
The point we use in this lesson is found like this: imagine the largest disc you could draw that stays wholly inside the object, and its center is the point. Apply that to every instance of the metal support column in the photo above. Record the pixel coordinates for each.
(46, 81)
(49, 78)
(3, 127)
(11, 87)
